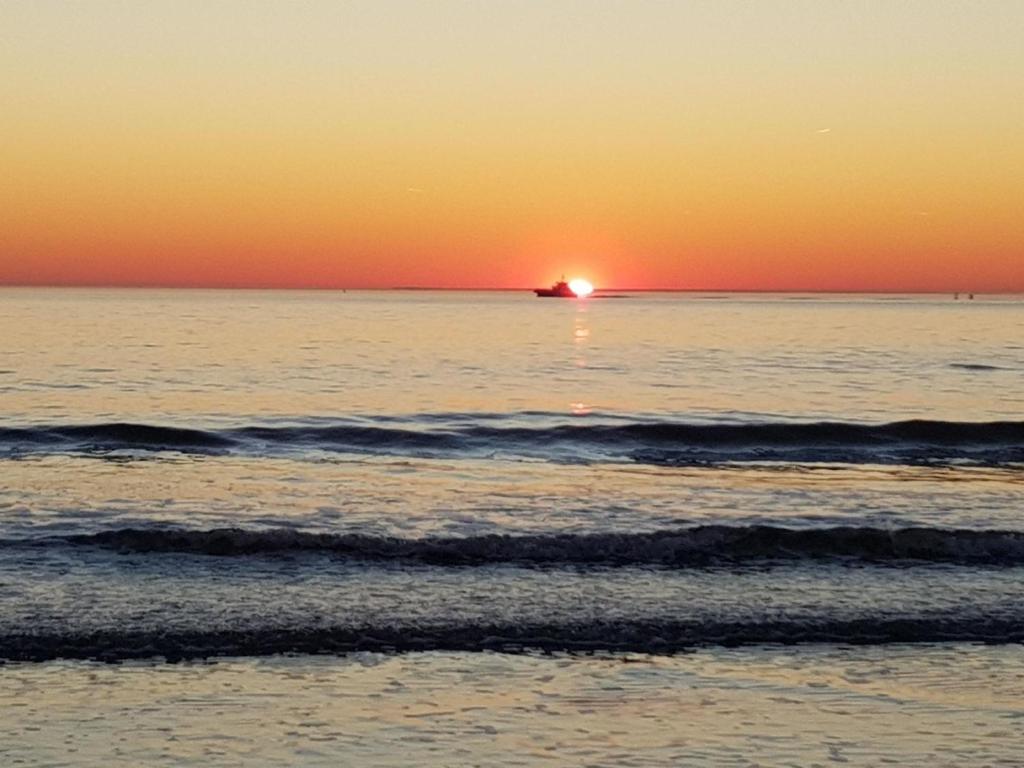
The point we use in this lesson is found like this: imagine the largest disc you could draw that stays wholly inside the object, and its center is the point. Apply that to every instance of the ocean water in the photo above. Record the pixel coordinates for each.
(485, 528)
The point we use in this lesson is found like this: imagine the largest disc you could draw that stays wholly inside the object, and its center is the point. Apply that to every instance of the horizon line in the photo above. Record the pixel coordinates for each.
(496, 289)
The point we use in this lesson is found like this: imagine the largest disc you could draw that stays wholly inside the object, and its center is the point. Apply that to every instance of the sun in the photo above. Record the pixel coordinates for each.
(580, 287)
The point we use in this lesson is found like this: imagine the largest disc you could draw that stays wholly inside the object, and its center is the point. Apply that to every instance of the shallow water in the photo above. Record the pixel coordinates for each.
(815, 705)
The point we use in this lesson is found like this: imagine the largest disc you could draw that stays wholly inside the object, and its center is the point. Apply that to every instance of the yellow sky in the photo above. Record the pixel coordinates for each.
(749, 145)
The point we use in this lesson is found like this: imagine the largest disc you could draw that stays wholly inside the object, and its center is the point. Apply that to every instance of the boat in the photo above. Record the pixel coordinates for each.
(559, 290)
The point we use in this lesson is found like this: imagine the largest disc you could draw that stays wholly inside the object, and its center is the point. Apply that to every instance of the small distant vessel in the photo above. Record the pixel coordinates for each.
(559, 290)
(573, 289)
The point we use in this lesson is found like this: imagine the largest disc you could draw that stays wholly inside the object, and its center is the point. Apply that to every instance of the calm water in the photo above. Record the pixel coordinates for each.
(191, 475)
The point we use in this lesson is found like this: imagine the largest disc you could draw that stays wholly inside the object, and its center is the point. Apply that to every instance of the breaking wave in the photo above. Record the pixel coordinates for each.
(697, 546)
(664, 443)
(642, 636)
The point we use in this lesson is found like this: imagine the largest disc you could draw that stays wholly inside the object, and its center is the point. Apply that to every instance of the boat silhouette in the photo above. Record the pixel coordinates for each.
(559, 290)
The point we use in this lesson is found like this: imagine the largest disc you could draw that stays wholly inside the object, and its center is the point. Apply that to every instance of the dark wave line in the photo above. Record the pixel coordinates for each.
(643, 636)
(696, 546)
(669, 443)
(979, 367)
(928, 456)
(112, 436)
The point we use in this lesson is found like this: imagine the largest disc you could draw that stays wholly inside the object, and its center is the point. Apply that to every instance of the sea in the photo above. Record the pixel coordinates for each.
(383, 528)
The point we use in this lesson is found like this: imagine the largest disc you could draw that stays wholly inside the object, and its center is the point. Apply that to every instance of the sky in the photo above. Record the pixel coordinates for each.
(873, 145)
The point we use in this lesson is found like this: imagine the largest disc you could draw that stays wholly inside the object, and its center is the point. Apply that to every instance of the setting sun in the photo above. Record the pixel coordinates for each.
(581, 287)
(303, 323)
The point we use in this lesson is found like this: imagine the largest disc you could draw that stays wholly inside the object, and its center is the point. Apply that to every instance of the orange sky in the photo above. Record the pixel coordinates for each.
(771, 145)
